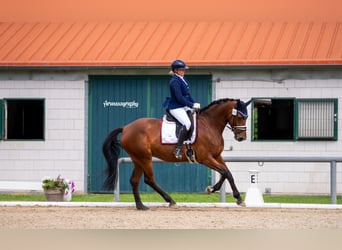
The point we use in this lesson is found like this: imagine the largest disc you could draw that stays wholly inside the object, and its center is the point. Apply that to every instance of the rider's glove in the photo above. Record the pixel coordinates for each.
(196, 106)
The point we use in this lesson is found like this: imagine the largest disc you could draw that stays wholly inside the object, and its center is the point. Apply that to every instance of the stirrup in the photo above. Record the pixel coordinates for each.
(178, 153)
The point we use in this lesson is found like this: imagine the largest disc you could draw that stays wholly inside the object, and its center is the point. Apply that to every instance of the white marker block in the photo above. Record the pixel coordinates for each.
(254, 196)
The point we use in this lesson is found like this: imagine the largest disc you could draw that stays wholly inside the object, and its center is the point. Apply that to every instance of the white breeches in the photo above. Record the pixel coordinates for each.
(181, 115)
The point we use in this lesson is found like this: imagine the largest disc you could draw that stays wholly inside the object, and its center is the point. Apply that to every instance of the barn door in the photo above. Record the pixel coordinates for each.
(117, 100)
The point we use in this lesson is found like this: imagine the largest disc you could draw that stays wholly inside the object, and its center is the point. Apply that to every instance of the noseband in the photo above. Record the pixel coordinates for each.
(235, 112)
(234, 128)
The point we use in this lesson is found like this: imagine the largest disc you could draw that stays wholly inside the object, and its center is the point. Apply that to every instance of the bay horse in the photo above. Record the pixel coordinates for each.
(141, 139)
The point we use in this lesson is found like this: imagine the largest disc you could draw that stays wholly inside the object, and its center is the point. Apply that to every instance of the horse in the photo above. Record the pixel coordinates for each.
(141, 139)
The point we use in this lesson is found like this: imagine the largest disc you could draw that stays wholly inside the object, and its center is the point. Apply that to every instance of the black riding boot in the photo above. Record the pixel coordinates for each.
(183, 133)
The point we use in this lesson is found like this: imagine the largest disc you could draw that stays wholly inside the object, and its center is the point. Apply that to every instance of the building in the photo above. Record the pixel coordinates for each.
(72, 83)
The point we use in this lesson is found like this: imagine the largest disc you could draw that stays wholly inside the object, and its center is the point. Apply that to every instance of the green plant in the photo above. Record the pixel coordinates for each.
(58, 183)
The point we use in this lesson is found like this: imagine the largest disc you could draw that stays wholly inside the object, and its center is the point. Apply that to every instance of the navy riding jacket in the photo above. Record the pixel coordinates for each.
(180, 94)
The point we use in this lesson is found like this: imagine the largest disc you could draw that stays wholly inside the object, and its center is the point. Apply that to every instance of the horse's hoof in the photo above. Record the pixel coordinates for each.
(142, 207)
(209, 190)
(241, 203)
(173, 205)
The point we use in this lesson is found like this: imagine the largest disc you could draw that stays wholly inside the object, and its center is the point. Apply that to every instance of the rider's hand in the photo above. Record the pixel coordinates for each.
(196, 106)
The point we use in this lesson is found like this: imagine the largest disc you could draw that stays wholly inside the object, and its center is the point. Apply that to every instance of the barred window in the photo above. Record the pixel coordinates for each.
(317, 118)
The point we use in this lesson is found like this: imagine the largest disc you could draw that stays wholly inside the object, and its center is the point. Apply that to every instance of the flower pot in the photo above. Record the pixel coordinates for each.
(53, 194)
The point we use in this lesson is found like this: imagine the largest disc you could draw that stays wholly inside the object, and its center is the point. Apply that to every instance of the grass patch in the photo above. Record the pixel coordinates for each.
(178, 197)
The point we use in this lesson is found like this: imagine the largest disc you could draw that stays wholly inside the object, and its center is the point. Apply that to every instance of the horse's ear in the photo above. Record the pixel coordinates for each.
(247, 103)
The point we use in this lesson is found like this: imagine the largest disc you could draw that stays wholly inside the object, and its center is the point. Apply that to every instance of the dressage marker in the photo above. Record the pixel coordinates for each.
(254, 196)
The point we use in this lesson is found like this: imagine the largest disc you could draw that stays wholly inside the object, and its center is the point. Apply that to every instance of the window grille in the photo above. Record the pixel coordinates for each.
(317, 118)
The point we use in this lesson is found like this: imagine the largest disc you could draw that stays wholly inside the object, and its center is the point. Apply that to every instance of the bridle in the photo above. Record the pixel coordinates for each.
(235, 112)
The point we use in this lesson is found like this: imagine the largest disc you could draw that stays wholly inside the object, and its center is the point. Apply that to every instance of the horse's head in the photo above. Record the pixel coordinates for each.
(229, 113)
(238, 121)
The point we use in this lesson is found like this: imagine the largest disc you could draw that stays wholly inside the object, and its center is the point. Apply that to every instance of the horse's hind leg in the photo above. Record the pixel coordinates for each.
(149, 180)
(134, 180)
(146, 168)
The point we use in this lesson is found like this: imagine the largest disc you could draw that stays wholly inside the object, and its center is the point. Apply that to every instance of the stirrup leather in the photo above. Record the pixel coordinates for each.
(190, 154)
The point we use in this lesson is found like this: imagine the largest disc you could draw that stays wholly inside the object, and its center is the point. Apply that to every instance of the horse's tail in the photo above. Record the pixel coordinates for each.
(111, 151)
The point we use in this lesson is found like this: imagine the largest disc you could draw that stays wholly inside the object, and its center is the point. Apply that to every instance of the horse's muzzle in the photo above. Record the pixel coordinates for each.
(240, 137)
(240, 133)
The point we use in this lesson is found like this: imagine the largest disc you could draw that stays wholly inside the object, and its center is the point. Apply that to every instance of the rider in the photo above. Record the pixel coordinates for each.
(180, 102)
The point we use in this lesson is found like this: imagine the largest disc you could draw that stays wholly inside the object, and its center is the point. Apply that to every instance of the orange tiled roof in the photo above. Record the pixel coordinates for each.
(138, 43)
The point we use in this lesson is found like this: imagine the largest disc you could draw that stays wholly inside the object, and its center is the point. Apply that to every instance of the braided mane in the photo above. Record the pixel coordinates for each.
(217, 102)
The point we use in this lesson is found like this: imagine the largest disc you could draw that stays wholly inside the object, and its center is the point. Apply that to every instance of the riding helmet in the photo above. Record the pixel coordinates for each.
(178, 64)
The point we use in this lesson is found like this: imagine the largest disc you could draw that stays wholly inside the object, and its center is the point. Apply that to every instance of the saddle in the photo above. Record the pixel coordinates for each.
(170, 129)
(171, 118)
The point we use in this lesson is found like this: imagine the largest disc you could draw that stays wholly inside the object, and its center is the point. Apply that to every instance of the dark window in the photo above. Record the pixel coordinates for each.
(273, 119)
(25, 119)
(2, 119)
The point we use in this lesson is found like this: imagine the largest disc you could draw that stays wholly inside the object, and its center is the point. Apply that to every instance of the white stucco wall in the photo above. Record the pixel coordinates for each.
(298, 178)
(24, 163)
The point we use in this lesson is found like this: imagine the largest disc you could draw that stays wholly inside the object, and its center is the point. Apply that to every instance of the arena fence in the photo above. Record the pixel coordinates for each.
(260, 160)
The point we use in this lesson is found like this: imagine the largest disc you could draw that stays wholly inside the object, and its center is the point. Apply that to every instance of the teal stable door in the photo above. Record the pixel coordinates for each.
(115, 101)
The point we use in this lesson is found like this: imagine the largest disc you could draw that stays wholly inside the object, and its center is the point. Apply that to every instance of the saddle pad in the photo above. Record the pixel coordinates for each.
(168, 132)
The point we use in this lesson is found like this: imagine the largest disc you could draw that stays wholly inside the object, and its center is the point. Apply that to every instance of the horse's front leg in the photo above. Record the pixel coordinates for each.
(216, 187)
(220, 166)
(236, 192)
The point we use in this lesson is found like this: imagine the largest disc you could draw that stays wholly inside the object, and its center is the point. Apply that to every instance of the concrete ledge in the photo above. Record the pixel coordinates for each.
(160, 204)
